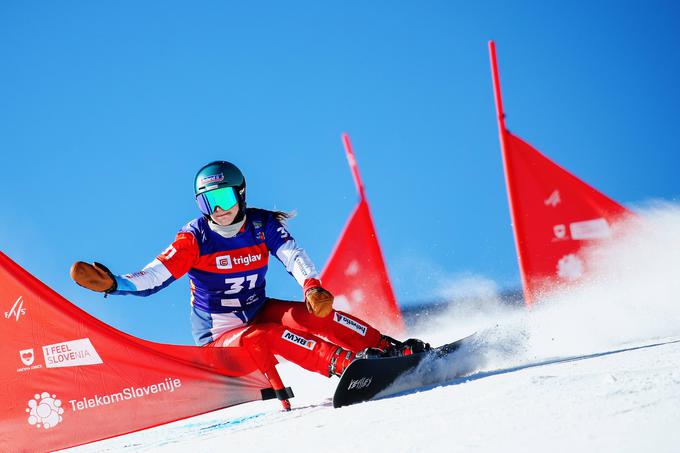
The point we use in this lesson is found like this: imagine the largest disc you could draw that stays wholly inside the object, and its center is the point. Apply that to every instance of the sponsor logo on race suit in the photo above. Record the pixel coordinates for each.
(223, 262)
(44, 411)
(227, 262)
(298, 340)
(71, 353)
(350, 324)
(17, 310)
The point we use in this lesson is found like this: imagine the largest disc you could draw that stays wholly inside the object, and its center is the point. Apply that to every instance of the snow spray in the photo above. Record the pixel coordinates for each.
(631, 297)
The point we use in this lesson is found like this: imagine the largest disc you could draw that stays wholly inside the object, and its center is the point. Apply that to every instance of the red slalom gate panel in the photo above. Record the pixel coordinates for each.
(554, 214)
(67, 379)
(356, 273)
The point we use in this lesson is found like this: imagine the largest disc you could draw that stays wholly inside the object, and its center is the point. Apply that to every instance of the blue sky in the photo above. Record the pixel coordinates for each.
(107, 109)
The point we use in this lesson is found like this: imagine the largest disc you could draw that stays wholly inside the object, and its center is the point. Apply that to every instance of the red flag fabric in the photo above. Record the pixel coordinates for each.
(356, 273)
(555, 215)
(68, 379)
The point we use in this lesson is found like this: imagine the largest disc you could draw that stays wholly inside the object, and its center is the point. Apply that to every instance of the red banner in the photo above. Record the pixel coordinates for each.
(555, 215)
(67, 379)
(356, 273)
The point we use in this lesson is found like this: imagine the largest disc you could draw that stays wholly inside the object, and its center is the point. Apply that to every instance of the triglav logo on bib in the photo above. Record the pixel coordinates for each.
(227, 262)
(223, 262)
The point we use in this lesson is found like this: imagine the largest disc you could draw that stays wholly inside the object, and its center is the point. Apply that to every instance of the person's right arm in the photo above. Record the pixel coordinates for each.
(167, 267)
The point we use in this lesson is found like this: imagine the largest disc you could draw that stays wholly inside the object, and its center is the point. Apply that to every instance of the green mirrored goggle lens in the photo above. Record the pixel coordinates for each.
(224, 197)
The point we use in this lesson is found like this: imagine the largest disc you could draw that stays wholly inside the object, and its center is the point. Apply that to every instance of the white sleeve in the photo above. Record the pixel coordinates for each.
(296, 261)
(154, 277)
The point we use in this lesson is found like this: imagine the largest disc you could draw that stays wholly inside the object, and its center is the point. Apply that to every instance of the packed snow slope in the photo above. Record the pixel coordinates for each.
(593, 368)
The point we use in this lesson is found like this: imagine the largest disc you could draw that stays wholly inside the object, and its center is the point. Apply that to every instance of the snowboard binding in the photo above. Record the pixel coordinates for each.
(389, 347)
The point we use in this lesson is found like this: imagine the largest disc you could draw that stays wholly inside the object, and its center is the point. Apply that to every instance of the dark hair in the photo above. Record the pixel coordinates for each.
(283, 216)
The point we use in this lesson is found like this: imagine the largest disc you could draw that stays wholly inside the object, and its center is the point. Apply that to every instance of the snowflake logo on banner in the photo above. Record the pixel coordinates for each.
(44, 411)
(341, 303)
(352, 268)
(357, 296)
(570, 267)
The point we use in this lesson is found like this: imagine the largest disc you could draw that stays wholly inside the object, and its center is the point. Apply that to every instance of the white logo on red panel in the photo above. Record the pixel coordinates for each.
(71, 353)
(352, 268)
(168, 385)
(357, 296)
(560, 232)
(27, 356)
(554, 199)
(341, 303)
(44, 411)
(570, 267)
(17, 310)
(590, 229)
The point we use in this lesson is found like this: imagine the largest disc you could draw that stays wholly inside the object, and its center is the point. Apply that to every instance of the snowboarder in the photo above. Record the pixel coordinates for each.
(226, 251)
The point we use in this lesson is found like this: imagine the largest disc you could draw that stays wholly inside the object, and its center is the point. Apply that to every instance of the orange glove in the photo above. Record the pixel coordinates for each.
(96, 277)
(319, 301)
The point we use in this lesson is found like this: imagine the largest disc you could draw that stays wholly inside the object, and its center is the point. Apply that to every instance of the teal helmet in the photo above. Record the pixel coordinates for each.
(220, 184)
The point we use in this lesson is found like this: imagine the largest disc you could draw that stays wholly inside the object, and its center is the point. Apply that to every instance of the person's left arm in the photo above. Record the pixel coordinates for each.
(298, 264)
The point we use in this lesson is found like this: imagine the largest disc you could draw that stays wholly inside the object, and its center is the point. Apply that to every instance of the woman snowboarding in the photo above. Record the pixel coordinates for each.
(226, 252)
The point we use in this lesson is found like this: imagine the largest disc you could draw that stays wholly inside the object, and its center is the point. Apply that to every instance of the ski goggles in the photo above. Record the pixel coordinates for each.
(224, 197)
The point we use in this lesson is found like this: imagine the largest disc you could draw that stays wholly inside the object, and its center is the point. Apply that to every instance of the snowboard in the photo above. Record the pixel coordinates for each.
(365, 378)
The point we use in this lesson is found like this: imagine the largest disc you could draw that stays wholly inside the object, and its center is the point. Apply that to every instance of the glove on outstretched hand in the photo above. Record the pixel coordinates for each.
(96, 277)
(319, 301)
